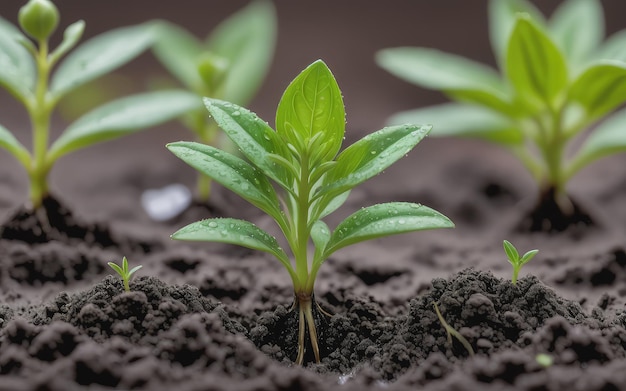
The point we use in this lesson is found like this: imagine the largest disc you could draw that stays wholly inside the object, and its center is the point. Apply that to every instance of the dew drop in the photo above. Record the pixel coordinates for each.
(401, 222)
(212, 224)
(236, 113)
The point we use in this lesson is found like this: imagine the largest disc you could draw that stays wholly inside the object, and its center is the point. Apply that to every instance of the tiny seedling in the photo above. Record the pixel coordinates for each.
(514, 259)
(451, 332)
(123, 272)
(26, 73)
(558, 79)
(311, 180)
(230, 65)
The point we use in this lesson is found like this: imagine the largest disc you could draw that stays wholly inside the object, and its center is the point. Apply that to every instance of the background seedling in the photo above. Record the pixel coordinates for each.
(123, 272)
(514, 259)
(26, 73)
(230, 64)
(301, 157)
(557, 79)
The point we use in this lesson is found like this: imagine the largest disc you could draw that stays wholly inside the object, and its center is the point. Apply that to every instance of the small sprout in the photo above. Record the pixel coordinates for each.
(123, 272)
(544, 359)
(297, 175)
(515, 260)
(451, 332)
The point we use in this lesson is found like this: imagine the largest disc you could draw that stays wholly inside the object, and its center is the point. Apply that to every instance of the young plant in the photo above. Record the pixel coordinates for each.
(26, 73)
(123, 272)
(514, 259)
(230, 64)
(557, 80)
(311, 180)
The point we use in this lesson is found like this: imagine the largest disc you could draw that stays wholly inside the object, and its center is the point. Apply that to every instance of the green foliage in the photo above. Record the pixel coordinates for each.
(123, 272)
(514, 259)
(230, 64)
(296, 175)
(26, 73)
(558, 78)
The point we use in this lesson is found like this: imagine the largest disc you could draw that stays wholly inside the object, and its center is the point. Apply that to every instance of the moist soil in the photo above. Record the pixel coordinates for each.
(207, 316)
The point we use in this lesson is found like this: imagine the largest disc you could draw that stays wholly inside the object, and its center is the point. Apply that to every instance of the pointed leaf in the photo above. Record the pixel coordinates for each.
(71, 36)
(231, 172)
(312, 105)
(179, 52)
(320, 234)
(511, 251)
(608, 138)
(454, 119)
(457, 76)
(17, 68)
(502, 17)
(370, 156)
(124, 116)
(233, 231)
(117, 268)
(254, 137)
(334, 204)
(247, 40)
(133, 270)
(385, 220)
(100, 55)
(534, 64)
(10, 143)
(577, 27)
(600, 88)
(528, 256)
(613, 48)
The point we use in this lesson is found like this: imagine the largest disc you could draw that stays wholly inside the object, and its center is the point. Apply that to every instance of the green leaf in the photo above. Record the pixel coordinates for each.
(123, 116)
(334, 204)
(312, 106)
(179, 51)
(455, 75)
(10, 143)
(71, 36)
(613, 48)
(608, 138)
(535, 65)
(502, 17)
(17, 68)
(233, 231)
(371, 155)
(320, 234)
(117, 269)
(231, 172)
(254, 137)
(600, 88)
(101, 55)
(457, 119)
(528, 256)
(577, 27)
(511, 252)
(247, 40)
(385, 220)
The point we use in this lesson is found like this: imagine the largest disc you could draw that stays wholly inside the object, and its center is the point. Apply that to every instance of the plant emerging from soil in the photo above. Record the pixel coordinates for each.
(123, 272)
(230, 64)
(302, 158)
(558, 79)
(26, 73)
(514, 259)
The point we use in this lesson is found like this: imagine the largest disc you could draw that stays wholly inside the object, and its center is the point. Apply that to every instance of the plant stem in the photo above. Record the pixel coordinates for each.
(206, 131)
(40, 113)
(302, 222)
(306, 321)
(126, 285)
(515, 273)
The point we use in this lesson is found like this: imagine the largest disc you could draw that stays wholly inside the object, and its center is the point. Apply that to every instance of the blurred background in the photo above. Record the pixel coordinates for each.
(345, 34)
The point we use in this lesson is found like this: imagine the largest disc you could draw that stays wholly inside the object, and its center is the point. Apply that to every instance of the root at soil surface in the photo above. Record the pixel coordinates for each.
(550, 215)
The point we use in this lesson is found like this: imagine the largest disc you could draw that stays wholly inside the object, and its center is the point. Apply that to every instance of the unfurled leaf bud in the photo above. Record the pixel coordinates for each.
(212, 70)
(39, 19)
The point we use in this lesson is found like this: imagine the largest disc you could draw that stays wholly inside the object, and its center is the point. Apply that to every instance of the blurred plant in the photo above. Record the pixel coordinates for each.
(123, 272)
(26, 73)
(557, 79)
(301, 157)
(514, 259)
(230, 65)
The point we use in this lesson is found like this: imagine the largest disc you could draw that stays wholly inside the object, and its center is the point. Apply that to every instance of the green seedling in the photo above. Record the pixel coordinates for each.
(230, 65)
(26, 67)
(123, 272)
(451, 332)
(558, 78)
(514, 259)
(311, 179)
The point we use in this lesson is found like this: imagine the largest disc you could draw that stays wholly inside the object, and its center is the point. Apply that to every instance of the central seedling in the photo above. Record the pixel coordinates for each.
(312, 179)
